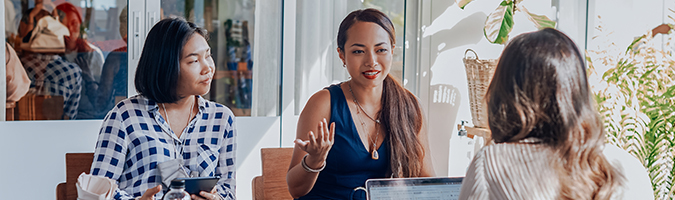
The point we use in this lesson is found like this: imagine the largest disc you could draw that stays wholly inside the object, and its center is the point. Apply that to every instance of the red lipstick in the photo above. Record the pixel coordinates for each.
(371, 74)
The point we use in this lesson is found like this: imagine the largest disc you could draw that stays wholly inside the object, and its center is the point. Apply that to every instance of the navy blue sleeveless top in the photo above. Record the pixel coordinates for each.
(349, 164)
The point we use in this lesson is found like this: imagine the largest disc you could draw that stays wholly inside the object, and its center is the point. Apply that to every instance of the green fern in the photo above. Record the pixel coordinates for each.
(638, 108)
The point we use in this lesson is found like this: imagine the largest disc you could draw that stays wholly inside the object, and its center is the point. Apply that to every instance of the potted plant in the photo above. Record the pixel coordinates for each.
(497, 28)
(499, 23)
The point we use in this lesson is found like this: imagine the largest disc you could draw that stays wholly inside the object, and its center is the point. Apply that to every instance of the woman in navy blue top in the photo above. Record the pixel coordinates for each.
(376, 126)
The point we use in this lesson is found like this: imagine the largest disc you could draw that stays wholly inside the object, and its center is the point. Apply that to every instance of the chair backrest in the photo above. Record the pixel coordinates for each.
(39, 107)
(76, 163)
(275, 162)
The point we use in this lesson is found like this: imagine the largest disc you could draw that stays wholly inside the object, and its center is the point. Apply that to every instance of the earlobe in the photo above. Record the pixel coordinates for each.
(341, 55)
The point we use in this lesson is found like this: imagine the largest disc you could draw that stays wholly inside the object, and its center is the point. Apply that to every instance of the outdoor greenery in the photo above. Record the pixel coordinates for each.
(636, 98)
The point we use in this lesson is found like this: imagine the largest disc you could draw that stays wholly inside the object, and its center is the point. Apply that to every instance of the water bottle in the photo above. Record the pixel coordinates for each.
(177, 191)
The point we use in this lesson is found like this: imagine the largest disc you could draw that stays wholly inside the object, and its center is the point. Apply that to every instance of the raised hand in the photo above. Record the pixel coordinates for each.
(318, 145)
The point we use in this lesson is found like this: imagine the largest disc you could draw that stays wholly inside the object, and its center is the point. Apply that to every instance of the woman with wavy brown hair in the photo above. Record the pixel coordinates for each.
(550, 142)
(376, 127)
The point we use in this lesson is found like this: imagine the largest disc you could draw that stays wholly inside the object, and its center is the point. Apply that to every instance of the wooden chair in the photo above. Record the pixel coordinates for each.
(272, 183)
(76, 163)
(39, 107)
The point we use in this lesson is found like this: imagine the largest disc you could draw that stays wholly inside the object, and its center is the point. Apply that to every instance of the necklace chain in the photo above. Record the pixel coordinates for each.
(359, 105)
(189, 116)
(374, 154)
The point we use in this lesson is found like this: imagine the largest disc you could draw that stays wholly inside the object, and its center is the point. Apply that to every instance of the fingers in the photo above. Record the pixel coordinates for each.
(319, 143)
(302, 144)
(312, 138)
(320, 137)
(326, 132)
(195, 197)
(150, 193)
(209, 196)
(332, 132)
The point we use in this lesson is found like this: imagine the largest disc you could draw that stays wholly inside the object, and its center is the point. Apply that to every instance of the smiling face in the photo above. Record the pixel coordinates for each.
(367, 53)
(196, 67)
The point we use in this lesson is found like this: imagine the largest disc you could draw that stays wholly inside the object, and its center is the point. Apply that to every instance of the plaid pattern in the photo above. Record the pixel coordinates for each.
(134, 139)
(55, 76)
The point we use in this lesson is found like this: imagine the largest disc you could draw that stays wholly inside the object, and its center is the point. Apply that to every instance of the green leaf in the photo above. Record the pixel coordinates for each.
(540, 21)
(499, 24)
(462, 3)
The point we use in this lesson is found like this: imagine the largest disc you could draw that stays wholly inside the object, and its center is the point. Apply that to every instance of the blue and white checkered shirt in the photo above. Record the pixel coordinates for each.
(134, 138)
(56, 76)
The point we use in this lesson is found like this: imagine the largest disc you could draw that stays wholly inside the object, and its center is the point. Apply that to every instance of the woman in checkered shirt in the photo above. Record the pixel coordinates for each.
(169, 130)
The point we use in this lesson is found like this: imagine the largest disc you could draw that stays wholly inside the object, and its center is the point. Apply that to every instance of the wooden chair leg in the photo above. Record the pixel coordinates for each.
(9, 114)
(258, 190)
(61, 191)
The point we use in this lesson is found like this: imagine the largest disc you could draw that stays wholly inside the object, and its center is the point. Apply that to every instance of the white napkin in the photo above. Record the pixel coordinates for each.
(95, 187)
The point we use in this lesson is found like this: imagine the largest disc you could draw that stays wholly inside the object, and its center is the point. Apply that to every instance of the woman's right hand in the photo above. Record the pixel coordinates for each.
(150, 193)
(318, 145)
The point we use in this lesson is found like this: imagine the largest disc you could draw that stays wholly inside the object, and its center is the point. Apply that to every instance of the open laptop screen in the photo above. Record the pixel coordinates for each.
(436, 188)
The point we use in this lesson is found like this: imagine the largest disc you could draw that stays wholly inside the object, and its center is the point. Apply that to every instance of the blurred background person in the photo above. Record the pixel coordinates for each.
(17, 80)
(50, 74)
(113, 85)
(11, 22)
(32, 15)
(87, 56)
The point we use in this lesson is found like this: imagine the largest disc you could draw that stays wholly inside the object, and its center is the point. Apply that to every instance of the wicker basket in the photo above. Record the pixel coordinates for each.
(479, 74)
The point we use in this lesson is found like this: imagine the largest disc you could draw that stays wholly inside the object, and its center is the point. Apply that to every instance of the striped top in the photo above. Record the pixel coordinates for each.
(523, 171)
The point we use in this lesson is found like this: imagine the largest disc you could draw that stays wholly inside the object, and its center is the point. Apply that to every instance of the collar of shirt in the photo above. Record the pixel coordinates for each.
(153, 108)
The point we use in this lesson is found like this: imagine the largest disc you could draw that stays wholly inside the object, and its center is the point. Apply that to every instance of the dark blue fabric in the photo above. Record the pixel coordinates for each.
(349, 164)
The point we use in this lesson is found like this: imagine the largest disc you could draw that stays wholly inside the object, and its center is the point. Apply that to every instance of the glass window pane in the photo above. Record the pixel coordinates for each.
(631, 71)
(316, 57)
(231, 26)
(73, 53)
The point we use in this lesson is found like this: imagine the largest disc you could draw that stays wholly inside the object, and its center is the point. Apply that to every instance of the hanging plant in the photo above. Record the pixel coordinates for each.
(499, 23)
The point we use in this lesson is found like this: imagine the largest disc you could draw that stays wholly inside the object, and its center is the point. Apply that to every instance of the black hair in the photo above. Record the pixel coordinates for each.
(159, 65)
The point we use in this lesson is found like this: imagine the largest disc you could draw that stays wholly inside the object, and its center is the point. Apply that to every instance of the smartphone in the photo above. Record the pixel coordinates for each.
(194, 185)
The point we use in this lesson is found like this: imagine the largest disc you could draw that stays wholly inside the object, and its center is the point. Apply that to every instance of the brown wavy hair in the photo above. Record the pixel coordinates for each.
(401, 115)
(540, 90)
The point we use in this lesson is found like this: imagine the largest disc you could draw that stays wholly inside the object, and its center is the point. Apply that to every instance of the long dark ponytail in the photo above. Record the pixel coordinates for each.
(401, 118)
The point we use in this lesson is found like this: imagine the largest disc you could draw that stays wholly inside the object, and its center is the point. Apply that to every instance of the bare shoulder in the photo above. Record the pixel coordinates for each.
(316, 109)
(320, 98)
(318, 104)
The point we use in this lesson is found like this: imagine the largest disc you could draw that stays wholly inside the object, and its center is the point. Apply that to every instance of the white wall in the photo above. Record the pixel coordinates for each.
(33, 153)
(624, 21)
(446, 32)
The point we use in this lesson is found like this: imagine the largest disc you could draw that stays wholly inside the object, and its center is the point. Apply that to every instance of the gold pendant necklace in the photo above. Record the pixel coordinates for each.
(374, 154)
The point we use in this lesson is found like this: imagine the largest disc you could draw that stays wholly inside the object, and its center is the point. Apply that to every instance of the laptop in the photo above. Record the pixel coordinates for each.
(436, 188)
